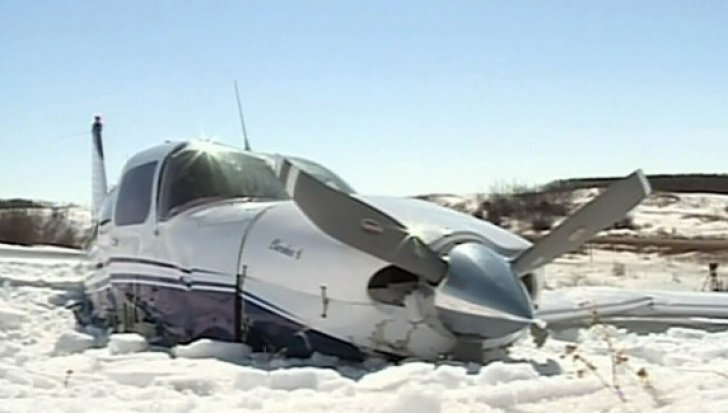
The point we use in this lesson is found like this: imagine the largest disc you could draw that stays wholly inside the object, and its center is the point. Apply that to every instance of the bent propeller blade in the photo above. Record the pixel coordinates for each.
(606, 209)
(360, 225)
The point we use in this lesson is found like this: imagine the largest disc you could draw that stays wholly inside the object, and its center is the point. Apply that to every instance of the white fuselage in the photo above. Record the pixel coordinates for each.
(261, 272)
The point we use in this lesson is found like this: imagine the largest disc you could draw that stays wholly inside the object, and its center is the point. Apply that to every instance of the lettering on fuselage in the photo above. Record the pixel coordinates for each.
(279, 246)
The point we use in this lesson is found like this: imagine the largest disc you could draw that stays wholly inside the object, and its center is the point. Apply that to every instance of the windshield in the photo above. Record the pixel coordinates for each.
(322, 174)
(195, 175)
(203, 172)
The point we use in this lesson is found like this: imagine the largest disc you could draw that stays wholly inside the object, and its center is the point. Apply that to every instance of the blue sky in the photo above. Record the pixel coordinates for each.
(398, 97)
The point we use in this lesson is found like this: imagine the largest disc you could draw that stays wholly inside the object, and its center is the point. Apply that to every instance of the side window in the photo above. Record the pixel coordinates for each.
(135, 195)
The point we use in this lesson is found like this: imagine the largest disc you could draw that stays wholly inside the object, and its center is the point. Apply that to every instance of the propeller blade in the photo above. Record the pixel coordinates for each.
(360, 225)
(606, 209)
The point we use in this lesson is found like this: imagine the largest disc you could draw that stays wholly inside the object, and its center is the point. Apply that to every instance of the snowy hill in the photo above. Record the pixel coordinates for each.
(662, 214)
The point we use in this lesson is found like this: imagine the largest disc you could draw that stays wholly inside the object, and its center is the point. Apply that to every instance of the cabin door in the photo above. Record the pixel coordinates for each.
(133, 220)
(132, 252)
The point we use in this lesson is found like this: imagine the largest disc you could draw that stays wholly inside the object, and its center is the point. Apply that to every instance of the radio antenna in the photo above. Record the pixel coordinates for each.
(242, 119)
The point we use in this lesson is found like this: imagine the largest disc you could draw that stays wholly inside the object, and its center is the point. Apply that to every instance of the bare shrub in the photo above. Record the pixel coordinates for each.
(57, 229)
(36, 226)
(533, 205)
(494, 217)
(625, 223)
(497, 207)
(541, 222)
(18, 226)
(18, 203)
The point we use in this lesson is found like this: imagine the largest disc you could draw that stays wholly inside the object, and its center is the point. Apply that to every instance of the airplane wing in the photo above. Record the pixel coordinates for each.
(583, 306)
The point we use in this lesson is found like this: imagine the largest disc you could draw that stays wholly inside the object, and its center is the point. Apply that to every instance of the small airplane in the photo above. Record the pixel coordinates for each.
(202, 240)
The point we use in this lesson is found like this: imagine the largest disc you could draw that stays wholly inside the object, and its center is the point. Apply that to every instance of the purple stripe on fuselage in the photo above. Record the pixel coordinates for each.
(155, 263)
(146, 261)
(99, 283)
(187, 315)
(181, 281)
(144, 277)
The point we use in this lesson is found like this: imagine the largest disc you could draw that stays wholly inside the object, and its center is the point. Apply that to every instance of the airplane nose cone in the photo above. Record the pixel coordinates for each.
(481, 296)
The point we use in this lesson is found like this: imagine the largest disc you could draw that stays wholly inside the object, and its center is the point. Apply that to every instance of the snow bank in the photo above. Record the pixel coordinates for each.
(19, 252)
(126, 343)
(73, 342)
(206, 348)
(11, 318)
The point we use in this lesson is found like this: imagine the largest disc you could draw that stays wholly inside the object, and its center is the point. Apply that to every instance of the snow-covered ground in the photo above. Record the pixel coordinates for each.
(48, 366)
(687, 215)
(605, 267)
(51, 252)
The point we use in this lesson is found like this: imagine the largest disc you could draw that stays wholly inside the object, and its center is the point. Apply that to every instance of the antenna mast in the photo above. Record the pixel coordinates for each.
(242, 120)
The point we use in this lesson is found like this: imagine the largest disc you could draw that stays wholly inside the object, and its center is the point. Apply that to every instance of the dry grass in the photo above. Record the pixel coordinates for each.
(625, 223)
(705, 217)
(620, 368)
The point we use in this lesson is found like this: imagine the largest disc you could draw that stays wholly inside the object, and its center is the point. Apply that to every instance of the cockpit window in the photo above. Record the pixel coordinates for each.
(202, 172)
(196, 175)
(135, 195)
(322, 174)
